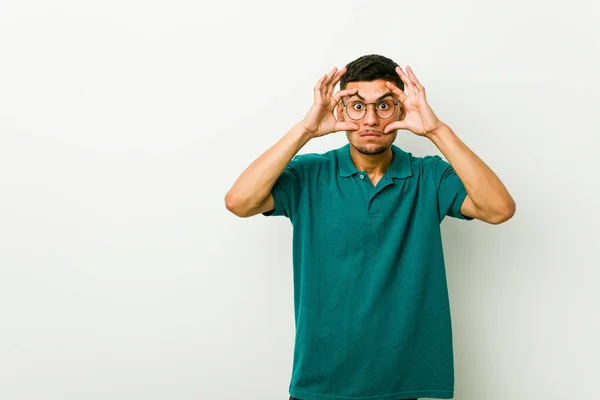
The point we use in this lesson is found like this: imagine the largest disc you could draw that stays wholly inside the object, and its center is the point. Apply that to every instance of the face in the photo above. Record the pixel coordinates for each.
(370, 137)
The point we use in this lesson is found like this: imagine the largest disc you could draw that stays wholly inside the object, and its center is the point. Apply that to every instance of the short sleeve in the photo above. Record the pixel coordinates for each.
(451, 191)
(287, 190)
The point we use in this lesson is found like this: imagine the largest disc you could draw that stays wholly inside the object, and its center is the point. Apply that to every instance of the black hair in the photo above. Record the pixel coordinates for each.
(371, 67)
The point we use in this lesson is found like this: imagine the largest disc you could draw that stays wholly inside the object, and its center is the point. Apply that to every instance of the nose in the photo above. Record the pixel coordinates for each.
(370, 118)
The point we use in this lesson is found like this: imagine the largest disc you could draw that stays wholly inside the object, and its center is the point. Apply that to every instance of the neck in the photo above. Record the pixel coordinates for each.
(375, 164)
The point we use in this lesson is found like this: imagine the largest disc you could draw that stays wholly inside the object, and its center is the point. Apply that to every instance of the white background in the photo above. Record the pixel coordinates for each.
(124, 123)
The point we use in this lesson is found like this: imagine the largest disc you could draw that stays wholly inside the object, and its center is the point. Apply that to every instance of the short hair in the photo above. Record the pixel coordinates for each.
(371, 67)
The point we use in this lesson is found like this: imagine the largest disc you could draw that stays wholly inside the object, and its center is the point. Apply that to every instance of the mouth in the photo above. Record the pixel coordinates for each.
(371, 134)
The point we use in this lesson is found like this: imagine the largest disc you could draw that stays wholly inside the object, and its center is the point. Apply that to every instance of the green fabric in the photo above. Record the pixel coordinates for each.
(371, 303)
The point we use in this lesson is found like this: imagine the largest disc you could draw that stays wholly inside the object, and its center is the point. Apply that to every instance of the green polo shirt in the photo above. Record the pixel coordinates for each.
(371, 303)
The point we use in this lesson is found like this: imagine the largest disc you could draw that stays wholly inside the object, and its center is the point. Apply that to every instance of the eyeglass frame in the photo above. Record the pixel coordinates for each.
(366, 108)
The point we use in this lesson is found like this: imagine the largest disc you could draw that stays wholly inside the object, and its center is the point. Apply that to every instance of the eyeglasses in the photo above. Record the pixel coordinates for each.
(357, 109)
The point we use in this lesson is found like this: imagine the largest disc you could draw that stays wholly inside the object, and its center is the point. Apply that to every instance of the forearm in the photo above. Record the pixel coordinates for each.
(486, 190)
(255, 183)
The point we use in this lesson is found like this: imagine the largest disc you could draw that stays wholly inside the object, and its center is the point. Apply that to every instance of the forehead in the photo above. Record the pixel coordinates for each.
(369, 90)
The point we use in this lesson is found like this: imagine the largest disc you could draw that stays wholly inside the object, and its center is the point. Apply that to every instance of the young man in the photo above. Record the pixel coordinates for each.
(370, 294)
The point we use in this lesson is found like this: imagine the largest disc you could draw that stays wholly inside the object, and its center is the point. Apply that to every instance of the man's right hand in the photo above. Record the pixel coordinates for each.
(320, 120)
(251, 192)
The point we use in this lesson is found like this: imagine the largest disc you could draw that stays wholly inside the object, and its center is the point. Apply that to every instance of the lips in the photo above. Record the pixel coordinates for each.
(371, 134)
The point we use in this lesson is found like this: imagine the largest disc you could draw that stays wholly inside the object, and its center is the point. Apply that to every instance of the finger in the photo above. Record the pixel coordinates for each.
(397, 91)
(408, 86)
(330, 76)
(317, 88)
(342, 93)
(326, 90)
(320, 82)
(413, 77)
(420, 89)
(336, 79)
(333, 82)
(401, 73)
(322, 91)
(346, 126)
(394, 126)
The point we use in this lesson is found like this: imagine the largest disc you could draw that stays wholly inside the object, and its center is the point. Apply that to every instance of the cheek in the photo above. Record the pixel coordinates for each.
(388, 122)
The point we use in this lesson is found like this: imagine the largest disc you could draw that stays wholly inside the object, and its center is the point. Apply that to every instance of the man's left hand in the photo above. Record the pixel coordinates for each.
(419, 118)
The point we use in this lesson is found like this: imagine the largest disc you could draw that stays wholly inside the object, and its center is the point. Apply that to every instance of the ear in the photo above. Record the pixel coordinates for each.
(402, 112)
(339, 112)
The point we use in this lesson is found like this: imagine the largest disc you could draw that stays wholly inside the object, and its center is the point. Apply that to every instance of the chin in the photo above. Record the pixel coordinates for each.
(370, 146)
(370, 149)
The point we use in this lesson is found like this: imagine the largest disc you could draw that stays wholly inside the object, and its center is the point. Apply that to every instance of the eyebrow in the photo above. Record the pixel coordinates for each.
(389, 94)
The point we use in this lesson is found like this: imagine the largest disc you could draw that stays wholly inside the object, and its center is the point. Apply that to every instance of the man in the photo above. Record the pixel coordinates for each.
(370, 294)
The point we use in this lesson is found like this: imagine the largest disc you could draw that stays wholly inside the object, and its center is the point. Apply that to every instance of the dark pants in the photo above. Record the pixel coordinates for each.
(293, 398)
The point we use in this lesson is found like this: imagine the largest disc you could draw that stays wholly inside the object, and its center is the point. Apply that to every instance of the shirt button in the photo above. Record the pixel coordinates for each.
(362, 176)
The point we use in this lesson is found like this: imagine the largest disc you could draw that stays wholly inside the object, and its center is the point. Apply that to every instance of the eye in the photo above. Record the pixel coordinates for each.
(385, 105)
(358, 106)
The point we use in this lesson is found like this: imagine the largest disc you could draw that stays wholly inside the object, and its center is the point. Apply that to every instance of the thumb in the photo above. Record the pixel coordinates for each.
(346, 126)
(395, 125)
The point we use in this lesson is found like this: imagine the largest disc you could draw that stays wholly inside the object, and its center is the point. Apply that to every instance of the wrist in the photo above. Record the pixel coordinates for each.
(301, 134)
(441, 131)
(301, 131)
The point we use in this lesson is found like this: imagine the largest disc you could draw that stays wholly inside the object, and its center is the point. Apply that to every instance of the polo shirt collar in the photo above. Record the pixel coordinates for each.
(400, 167)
